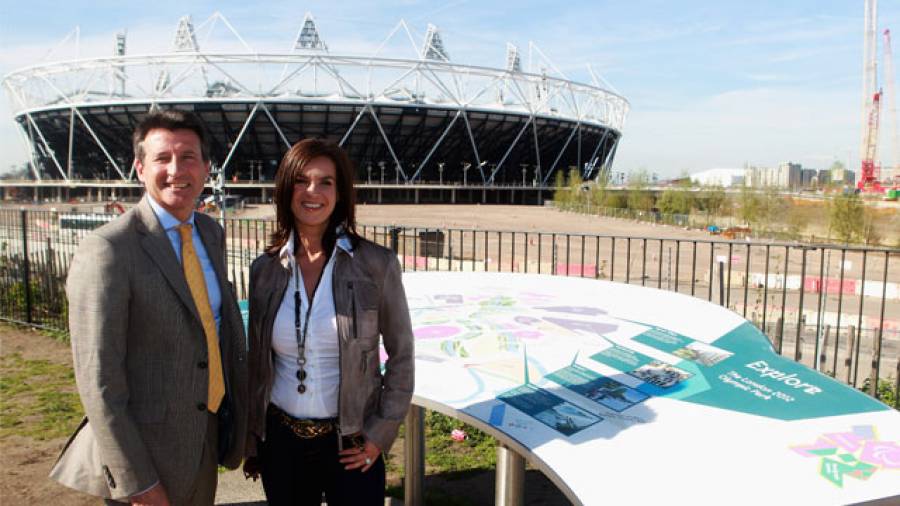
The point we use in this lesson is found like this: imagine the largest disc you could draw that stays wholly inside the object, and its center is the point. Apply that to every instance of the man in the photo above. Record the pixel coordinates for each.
(157, 337)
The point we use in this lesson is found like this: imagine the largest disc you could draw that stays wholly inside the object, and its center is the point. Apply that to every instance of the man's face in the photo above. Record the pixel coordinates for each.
(173, 170)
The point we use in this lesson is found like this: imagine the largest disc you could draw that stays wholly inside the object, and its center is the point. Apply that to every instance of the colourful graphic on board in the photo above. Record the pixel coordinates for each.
(489, 332)
(855, 454)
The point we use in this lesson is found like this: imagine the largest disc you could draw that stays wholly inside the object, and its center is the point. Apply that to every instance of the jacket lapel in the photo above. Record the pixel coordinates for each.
(157, 245)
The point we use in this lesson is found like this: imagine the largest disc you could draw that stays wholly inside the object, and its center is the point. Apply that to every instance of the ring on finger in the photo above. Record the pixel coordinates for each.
(368, 461)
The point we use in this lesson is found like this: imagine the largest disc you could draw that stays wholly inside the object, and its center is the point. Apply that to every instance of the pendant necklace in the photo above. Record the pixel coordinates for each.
(302, 330)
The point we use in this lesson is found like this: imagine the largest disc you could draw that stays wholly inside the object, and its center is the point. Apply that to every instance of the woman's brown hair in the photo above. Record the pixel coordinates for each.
(289, 171)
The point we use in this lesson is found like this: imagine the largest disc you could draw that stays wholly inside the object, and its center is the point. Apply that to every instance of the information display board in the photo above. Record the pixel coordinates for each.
(625, 394)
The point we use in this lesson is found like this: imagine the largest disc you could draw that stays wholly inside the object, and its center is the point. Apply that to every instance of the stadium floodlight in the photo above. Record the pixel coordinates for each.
(513, 62)
(185, 37)
(308, 37)
(433, 49)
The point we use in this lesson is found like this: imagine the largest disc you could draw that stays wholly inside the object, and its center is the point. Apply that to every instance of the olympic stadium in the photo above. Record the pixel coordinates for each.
(420, 127)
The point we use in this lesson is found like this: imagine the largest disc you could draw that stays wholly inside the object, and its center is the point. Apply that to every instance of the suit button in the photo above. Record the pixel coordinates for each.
(201, 406)
(201, 364)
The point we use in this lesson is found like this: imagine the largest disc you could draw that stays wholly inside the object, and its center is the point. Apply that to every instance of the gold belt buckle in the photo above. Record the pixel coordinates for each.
(307, 429)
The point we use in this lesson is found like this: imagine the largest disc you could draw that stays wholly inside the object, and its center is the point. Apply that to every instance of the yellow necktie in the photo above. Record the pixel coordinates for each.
(193, 273)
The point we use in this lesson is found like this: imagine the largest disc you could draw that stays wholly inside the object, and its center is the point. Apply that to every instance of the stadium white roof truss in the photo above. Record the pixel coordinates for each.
(308, 72)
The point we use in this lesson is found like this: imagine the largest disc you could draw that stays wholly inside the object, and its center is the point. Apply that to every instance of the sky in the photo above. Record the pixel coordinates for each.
(710, 84)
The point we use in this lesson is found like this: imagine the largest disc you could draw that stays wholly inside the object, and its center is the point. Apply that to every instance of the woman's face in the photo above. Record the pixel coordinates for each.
(314, 196)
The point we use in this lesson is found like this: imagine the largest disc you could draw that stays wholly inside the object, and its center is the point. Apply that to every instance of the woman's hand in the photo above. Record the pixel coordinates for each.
(360, 458)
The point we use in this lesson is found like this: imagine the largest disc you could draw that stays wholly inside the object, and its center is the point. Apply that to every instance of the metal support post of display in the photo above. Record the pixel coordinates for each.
(509, 487)
(414, 457)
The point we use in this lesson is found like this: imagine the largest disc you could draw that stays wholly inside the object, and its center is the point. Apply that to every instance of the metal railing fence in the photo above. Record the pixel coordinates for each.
(834, 308)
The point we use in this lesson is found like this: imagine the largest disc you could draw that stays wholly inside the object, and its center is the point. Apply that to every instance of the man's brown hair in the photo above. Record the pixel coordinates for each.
(168, 120)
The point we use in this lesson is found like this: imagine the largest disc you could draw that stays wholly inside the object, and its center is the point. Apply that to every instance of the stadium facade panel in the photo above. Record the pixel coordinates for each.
(422, 121)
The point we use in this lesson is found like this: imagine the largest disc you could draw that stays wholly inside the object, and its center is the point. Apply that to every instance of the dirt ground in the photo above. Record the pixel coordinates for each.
(24, 461)
(493, 217)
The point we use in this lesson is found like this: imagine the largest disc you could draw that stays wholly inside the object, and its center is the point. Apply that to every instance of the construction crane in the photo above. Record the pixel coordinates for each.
(868, 180)
(870, 71)
(872, 96)
(893, 174)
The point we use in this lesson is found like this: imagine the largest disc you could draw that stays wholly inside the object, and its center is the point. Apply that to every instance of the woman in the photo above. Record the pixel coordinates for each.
(321, 411)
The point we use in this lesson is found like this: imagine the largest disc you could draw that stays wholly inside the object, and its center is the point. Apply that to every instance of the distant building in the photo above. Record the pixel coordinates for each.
(725, 178)
(810, 178)
(824, 177)
(843, 177)
(787, 175)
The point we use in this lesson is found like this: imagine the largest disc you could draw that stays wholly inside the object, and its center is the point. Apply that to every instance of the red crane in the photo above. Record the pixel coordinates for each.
(868, 180)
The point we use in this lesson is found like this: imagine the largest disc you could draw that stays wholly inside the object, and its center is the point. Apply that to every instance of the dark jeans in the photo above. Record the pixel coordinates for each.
(298, 471)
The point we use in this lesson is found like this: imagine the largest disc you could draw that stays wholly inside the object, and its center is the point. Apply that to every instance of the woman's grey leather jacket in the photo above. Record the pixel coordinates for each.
(369, 303)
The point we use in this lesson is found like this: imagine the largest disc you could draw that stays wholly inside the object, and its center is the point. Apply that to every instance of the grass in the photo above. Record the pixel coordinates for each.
(453, 460)
(37, 398)
(444, 455)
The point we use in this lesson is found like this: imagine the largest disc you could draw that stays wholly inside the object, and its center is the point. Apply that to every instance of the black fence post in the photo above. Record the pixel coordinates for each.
(26, 270)
(395, 239)
(721, 283)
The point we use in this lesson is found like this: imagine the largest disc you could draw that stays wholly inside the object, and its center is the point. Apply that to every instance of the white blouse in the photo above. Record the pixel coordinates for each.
(320, 400)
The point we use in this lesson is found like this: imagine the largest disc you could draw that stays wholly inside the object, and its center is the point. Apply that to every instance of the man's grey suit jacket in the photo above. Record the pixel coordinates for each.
(141, 361)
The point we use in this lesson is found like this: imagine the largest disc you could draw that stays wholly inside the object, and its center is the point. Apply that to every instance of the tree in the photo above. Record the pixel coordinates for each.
(639, 197)
(833, 184)
(598, 194)
(845, 217)
(837, 165)
(677, 200)
(869, 233)
(616, 200)
(797, 221)
(749, 206)
(561, 193)
(713, 201)
(771, 207)
(21, 171)
(576, 188)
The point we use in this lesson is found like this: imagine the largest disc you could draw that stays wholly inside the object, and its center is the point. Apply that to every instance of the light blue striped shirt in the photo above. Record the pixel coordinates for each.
(170, 225)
